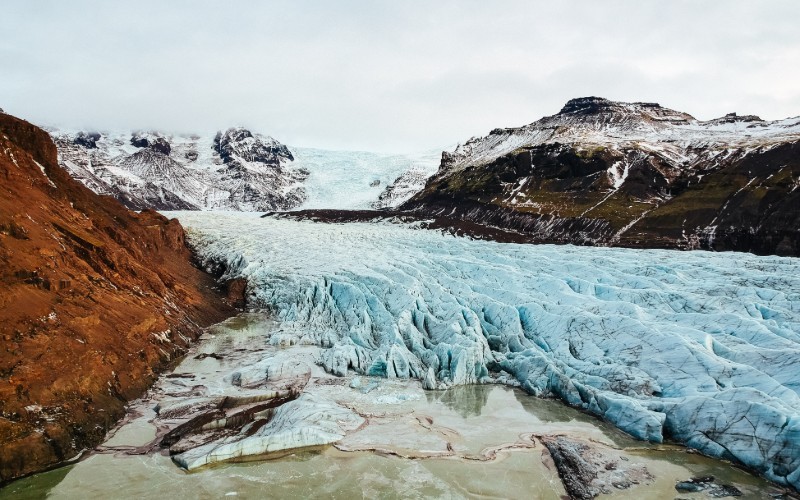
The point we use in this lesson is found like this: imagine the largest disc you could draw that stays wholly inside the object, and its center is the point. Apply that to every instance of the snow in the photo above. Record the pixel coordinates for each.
(257, 175)
(617, 177)
(41, 167)
(700, 347)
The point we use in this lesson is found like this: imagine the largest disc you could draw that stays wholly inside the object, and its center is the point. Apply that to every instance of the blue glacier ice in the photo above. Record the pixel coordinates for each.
(698, 347)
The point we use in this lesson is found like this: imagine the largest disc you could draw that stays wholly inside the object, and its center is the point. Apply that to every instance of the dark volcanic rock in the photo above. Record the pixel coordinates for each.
(733, 118)
(576, 473)
(689, 487)
(159, 144)
(139, 141)
(588, 469)
(585, 105)
(708, 485)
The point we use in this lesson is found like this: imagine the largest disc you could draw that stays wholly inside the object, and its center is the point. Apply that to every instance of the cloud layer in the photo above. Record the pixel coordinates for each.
(389, 76)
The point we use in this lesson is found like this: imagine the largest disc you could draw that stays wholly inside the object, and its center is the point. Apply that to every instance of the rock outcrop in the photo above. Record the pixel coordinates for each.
(95, 300)
(589, 469)
(629, 174)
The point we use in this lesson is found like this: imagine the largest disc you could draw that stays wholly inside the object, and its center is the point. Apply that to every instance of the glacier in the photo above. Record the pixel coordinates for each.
(349, 180)
(696, 347)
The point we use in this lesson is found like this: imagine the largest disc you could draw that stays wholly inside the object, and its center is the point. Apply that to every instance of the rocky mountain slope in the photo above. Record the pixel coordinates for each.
(630, 174)
(94, 300)
(234, 170)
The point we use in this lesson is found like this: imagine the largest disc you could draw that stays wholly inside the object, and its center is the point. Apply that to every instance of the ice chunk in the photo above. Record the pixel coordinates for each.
(306, 421)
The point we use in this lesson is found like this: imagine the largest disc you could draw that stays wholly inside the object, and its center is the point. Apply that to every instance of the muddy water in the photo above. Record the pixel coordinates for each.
(466, 442)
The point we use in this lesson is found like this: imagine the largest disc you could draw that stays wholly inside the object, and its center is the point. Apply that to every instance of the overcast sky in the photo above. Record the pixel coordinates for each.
(387, 75)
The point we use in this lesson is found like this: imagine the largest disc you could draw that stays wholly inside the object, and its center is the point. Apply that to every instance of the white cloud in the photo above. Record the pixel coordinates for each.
(384, 75)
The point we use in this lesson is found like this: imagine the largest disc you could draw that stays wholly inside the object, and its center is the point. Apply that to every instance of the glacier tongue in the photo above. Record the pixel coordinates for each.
(700, 347)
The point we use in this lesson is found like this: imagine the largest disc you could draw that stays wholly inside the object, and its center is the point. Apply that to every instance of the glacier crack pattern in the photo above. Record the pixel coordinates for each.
(698, 347)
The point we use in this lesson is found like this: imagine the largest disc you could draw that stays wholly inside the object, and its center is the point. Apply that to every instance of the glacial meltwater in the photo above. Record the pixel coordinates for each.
(385, 360)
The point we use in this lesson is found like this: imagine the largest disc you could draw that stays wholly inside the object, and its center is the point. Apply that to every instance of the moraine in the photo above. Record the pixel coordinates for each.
(692, 347)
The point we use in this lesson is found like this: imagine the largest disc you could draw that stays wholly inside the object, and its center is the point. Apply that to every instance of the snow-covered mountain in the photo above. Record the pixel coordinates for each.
(592, 122)
(631, 174)
(236, 170)
(402, 188)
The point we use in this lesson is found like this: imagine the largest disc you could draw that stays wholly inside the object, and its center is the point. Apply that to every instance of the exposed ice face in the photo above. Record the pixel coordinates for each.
(700, 347)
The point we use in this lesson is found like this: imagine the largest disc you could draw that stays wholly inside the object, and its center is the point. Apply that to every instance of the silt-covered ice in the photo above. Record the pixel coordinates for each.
(300, 423)
(699, 347)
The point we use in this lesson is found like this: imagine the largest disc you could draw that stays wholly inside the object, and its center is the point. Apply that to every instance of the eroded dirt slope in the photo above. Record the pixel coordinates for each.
(94, 301)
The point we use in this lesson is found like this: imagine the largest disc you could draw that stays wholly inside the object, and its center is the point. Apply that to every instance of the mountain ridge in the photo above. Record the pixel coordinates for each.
(234, 170)
(601, 172)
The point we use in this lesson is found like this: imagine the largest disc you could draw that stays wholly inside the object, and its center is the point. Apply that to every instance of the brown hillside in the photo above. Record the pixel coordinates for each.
(94, 301)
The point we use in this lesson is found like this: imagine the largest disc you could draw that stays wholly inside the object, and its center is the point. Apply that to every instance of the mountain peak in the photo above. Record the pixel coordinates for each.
(649, 112)
(240, 142)
(586, 105)
(734, 118)
(87, 139)
(152, 140)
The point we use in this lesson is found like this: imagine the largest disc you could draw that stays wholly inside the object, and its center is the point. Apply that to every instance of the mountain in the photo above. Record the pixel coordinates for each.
(95, 300)
(234, 170)
(601, 172)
